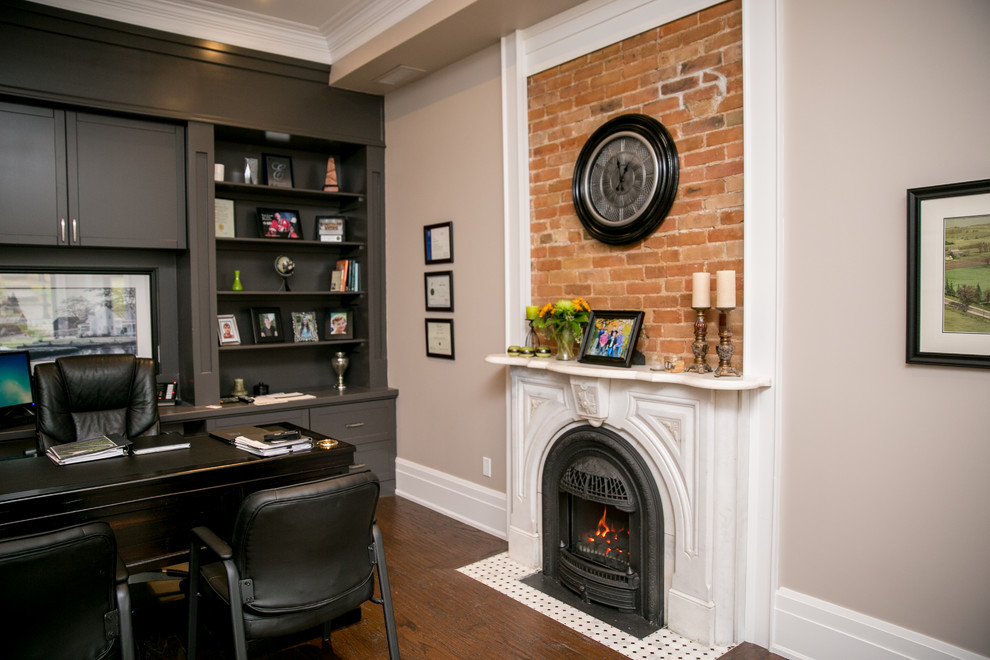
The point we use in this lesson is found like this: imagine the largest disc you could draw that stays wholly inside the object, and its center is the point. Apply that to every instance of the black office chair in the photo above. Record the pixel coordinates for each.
(85, 396)
(65, 596)
(299, 557)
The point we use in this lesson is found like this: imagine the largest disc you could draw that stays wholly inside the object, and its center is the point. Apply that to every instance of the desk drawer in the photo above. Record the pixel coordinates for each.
(370, 427)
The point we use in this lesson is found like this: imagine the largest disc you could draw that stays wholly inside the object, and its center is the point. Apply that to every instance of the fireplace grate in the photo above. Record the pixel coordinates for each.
(597, 480)
(593, 582)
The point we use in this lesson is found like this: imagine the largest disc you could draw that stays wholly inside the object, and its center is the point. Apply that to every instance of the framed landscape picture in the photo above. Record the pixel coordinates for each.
(279, 223)
(948, 301)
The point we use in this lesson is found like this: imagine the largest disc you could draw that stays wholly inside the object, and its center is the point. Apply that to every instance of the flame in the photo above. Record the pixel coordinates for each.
(605, 533)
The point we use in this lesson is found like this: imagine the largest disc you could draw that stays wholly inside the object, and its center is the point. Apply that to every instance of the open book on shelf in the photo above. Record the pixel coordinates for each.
(91, 449)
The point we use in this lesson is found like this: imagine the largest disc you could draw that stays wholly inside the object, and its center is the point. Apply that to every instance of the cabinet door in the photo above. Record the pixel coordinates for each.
(32, 174)
(126, 182)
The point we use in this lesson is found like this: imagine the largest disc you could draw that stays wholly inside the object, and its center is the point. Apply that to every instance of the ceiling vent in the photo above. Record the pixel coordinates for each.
(399, 75)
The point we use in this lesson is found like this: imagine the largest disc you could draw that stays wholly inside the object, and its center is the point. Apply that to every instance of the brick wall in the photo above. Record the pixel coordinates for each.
(688, 75)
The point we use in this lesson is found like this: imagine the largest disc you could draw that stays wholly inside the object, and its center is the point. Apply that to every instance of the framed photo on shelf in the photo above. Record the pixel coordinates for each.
(223, 215)
(330, 228)
(227, 330)
(440, 338)
(304, 327)
(278, 170)
(439, 288)
(279, 223)
(340, 324)
(266, 322)
(610, 338)
(438, 243)
(948, 292)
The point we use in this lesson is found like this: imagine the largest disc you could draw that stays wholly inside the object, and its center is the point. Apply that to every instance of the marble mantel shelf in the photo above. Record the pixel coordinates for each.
(642, 373)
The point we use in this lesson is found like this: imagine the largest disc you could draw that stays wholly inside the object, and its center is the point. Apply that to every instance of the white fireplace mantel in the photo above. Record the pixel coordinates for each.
(691, 431)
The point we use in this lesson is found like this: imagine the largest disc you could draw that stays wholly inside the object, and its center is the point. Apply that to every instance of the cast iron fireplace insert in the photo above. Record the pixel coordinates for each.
(603, 523)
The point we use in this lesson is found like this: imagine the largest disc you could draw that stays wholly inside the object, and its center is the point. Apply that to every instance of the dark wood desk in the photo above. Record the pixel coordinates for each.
(152, 501)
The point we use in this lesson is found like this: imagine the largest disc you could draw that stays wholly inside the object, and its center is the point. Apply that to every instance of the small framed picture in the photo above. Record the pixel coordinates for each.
(227, 330)
(304, 327)
(279, 223)
(438, 243)
(439, 291)
(330, 228)
(340, 324)
(610, 338)
(440, 338)
(224, 217)
(266, 322)
(278, 170)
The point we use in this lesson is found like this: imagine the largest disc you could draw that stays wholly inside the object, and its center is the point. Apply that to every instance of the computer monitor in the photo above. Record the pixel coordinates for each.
(16, 399)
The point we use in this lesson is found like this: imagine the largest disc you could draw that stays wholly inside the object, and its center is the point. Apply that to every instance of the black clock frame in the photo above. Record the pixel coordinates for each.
(658, 139)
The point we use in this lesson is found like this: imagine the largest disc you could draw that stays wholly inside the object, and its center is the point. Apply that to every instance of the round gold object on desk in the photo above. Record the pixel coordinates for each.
(327, 443)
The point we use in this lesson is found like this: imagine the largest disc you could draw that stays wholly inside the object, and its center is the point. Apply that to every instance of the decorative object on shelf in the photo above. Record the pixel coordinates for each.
(223, 218)
(948, 281)
(513, 351)
(279, 223)
(340, 363)
(227, 330)
(330, 183)
(237, 286)
(625, 179)
(701, 302)
(218, 171)
(251, 171)
(543, 352)
(238, 388)
(439, 288)
(260, 389)
(725, 301)
(304, 327)
(286, 268)
(339, 324)
(440, 338)
(532, 336)
(438, 243)
(330, 228)
(526, 351)
(278, 170)
(565, 321)
(673, 364)
(611, 338)
(266, 324)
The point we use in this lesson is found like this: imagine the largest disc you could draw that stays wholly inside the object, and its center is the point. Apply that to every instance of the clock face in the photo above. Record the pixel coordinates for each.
(621, 178)
(625, 179)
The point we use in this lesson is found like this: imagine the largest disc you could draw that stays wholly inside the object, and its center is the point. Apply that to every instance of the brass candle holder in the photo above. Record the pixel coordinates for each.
(700, 345)
(725, 348)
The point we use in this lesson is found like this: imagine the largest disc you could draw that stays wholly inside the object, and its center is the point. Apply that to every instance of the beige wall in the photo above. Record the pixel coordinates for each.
(443, 162)
(884, 470)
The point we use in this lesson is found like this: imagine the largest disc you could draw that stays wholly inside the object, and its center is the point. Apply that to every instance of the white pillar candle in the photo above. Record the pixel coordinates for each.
(725, 285)
(701, 290)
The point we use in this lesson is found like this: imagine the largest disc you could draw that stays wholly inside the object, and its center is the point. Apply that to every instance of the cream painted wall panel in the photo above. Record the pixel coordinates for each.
(884, 483)
(443, 162)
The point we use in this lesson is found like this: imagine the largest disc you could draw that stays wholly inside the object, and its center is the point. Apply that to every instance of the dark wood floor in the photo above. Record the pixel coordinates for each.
(441, 614)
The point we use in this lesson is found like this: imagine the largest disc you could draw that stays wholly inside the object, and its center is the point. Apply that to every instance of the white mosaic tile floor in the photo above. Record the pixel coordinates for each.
(503, 574)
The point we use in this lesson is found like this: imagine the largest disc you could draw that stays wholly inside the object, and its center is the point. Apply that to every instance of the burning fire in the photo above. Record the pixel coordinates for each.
(611, 538)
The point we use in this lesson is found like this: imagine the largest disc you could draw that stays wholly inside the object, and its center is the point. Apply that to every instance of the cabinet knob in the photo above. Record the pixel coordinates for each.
(354, 425)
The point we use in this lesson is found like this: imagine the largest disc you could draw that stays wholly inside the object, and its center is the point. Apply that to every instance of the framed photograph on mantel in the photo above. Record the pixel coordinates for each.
(610, 338)
(948, 264)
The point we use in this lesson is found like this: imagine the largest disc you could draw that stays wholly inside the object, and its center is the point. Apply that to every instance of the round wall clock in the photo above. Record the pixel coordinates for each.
(625, 179)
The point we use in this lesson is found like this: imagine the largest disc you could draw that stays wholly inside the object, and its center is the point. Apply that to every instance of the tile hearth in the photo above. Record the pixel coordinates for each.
(505, 575)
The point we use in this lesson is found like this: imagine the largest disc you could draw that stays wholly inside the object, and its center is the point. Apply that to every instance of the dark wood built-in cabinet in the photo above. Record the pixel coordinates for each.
(108, 139)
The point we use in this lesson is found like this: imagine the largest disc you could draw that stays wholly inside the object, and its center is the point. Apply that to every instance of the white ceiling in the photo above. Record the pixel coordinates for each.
(362, 40)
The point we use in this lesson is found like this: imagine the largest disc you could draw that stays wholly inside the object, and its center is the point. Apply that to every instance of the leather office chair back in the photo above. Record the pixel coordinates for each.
(85, 396)
(65, 596)
(299, 557)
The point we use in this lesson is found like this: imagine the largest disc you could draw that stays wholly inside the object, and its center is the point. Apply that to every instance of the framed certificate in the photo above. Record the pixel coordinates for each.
(439, 288)
(440, 338)
(438, 243)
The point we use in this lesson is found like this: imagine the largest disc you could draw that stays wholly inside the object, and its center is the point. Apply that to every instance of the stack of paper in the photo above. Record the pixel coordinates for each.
(93, 449)
(273, 447)
(281, 397)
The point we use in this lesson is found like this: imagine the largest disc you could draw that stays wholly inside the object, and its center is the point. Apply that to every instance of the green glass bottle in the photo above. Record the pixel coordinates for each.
(237, 282)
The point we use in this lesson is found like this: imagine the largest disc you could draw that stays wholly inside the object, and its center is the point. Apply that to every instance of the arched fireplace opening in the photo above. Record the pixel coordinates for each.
(603, 523)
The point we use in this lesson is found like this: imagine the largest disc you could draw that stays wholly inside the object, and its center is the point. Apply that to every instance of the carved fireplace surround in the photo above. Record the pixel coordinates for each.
(692, 432)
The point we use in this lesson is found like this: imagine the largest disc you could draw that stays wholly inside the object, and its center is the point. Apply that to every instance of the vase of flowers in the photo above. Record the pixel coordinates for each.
(565, 321)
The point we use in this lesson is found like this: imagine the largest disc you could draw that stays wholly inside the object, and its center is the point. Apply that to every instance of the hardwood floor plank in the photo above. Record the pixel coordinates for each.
(440, 613)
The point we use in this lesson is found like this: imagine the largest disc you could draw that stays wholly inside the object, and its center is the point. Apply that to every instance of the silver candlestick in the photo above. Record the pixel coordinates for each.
(340, 363)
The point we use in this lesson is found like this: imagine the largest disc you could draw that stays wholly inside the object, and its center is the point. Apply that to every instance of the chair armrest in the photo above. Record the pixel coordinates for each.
(217, 545)
(122, 574)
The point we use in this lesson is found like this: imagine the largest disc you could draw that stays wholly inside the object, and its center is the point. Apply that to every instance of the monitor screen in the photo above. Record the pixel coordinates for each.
(15, 379)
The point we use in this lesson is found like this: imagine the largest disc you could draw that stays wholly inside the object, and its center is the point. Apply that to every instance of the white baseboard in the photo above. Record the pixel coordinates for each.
(474, 505)
(806, 628)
